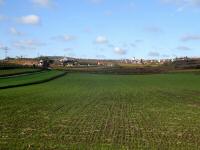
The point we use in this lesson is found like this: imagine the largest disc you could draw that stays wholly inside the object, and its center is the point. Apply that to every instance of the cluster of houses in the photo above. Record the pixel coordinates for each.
(144, 61)
(66, 62)
(46, 62)
(69, 62)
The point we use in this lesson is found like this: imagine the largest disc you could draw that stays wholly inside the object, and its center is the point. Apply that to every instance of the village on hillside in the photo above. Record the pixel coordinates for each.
(59, 61)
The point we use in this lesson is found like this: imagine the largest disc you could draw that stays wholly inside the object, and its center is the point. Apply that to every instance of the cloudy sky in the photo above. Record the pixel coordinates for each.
(100, 28)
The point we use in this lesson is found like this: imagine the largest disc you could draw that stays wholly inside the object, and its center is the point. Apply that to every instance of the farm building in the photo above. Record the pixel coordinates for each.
(68, 62)
(44, 63)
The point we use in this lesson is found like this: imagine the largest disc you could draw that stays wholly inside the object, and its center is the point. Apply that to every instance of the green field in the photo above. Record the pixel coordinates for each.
(88, 111)
(14, 71)
(38, 76)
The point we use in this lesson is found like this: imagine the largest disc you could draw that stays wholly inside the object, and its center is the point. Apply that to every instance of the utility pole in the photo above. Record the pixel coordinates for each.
(5, 49)
(6, 52)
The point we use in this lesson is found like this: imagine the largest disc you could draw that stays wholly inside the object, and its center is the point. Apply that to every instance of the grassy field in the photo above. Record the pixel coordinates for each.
(87, 111)
(14, 71)
(38, 76)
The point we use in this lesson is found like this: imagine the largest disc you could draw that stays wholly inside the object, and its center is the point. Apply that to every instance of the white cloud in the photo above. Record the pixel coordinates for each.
(119, 51)
(27, 44)
(180, 9)
(138, 41)
(68, 37)
(189, 37)
(44, 3)
(100, 56)
(68, 49)
(101, 40)
(153, 54)
(14, 31)
(153, 29)
(165, 55)
(65, 38)
(183, 3)
(184, 48)
(30, 19)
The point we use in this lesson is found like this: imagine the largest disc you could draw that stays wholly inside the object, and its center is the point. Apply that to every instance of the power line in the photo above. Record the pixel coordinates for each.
(5, 51)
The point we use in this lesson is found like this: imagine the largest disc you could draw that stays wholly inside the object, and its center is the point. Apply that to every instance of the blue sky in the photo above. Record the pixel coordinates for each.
(150, 29)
